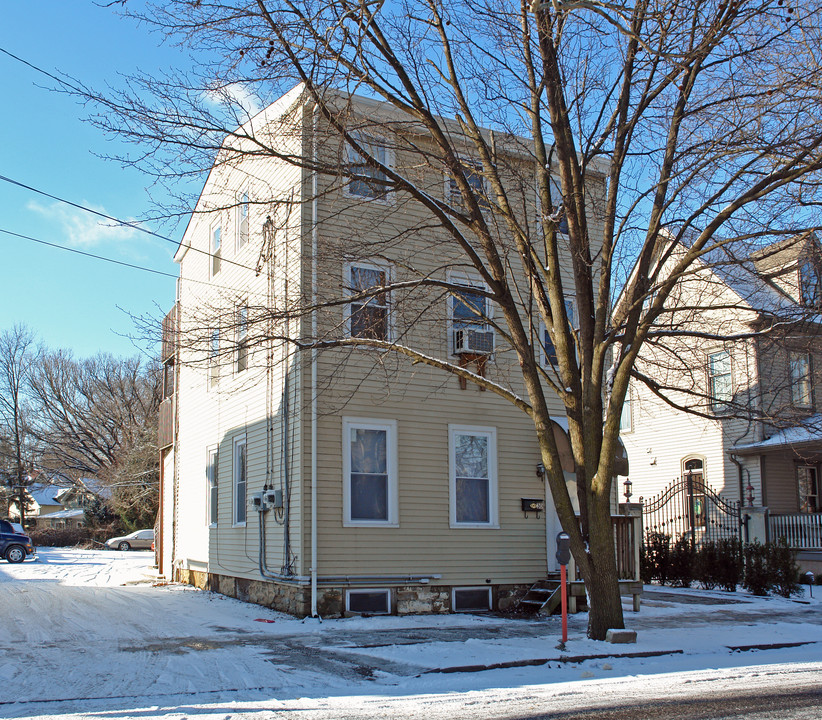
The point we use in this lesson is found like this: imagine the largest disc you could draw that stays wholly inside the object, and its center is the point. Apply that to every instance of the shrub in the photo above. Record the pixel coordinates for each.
(707, 565)
(72, 537)
(683, 562)
(729, 567)
(782, 569)
(757, 578)
(656, 558)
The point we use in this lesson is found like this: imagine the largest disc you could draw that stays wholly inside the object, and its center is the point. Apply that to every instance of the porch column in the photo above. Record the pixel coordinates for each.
(756, 519)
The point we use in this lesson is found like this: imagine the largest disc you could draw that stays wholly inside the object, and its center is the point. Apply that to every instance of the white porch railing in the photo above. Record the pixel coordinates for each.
(800, 530)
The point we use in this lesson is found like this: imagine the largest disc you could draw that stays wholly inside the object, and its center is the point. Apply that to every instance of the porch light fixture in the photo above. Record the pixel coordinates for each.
(540, 471)
(750, 491)
(627, 485)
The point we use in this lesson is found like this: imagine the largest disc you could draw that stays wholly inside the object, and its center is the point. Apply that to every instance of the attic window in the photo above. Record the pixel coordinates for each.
(810, 284)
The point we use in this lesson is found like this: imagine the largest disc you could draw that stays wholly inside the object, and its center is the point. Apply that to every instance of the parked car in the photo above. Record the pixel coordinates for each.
(14, 546)
(138, 540)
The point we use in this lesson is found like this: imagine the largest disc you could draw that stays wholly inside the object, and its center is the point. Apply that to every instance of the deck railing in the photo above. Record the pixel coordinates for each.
(627, 531)
(801, 530)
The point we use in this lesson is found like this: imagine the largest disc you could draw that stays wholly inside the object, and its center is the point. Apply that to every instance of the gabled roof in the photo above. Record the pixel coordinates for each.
(44, 494)
(741, 267)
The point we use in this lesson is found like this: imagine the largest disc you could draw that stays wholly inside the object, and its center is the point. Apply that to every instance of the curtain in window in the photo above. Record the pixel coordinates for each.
(369, 474)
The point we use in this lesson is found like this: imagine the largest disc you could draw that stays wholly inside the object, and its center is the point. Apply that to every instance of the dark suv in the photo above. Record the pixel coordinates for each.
(14, 546)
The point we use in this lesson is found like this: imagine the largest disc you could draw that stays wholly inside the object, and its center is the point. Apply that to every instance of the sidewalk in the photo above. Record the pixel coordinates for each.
(674, 627)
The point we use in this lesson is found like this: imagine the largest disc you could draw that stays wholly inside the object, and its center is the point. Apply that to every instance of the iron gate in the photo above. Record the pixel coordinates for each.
(688, 507)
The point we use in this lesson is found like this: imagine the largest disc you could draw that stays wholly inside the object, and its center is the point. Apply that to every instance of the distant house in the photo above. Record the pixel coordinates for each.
(757, 439)
(53, 505)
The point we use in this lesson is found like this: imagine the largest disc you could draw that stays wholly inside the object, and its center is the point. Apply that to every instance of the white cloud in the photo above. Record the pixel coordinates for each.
(82, 229)
(235, 95)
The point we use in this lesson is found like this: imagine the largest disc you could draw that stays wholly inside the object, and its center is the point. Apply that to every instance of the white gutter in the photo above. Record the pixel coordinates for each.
(314, 244)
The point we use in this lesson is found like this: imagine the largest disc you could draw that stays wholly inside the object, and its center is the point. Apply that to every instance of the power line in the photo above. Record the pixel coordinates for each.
(116, 262)
(125, 223)
(88, 254)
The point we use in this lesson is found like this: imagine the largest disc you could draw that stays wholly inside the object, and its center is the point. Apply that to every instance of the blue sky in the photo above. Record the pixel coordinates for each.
(72, 301)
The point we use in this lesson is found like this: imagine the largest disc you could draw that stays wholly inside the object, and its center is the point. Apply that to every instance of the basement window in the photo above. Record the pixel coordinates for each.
(471, 599)
(368, 602)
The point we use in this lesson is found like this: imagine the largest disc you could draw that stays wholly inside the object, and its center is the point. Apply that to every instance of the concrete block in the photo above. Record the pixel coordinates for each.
(620, 636)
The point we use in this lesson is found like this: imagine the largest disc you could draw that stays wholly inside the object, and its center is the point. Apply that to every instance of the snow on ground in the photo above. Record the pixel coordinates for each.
(86, 633)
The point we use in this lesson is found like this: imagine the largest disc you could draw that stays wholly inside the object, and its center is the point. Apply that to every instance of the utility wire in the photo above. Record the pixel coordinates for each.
(125, 223)
(117, 262)
(87, 254)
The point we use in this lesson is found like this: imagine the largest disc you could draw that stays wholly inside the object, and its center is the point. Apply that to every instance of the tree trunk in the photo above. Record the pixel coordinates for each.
(601, 578)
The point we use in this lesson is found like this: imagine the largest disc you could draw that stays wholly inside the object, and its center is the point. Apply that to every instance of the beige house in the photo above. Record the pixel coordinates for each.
(752, 374)
(341, 480)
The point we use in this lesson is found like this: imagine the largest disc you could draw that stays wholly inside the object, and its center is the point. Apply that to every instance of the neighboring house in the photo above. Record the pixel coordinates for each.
(388, 488)
(758, 439)
(53, 505)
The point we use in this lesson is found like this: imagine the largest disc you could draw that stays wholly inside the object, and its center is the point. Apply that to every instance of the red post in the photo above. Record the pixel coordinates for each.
(563, 578)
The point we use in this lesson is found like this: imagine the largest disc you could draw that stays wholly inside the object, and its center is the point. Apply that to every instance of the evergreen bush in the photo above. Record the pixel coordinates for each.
(683, 562)
(757, 578)
(782, 569)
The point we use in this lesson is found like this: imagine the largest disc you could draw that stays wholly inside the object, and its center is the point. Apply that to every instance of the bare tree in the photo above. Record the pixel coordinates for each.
(98, 419)
(18, 352)
(700, 116)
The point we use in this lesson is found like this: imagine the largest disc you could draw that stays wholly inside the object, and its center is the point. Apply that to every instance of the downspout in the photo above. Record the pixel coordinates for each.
(314, 244)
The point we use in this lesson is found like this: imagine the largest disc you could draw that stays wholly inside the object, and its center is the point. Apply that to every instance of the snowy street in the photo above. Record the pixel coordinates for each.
(85, 634)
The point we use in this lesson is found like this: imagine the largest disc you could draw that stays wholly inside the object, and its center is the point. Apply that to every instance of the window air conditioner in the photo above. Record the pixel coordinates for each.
(478, 342)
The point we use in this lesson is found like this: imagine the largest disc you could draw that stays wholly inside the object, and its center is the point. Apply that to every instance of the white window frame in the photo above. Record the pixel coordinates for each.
(571, 311)
(212, 486)
(213, 357)
(360, 591)
(801, 397)
(243, 218)
(455, 590)
(392, 462)
(241, 342)
(719, 405)
(626, 418)
(385, 267)
(215, 248)
(493, 497)
(352, 158)
(469, 283)
(237, 482)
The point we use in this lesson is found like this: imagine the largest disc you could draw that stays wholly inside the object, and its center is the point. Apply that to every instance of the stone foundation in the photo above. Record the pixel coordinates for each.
(295, 599)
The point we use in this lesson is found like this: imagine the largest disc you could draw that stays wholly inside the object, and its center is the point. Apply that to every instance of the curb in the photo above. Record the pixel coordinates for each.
(545, 661)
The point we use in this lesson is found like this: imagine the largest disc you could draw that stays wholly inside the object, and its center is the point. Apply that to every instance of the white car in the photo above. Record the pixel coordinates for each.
(138, 540)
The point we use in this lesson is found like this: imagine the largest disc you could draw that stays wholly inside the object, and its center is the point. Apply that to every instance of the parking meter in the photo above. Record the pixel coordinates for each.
(563, 548)
(563, 558)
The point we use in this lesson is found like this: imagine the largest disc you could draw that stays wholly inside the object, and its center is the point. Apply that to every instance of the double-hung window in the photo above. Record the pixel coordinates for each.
(368, 316)
(549, 351)
(216, 245)
(473, 476)
(470, 311)
(214, 357)
(240, 479)
(626, 419)
(810, 284)
(243, 207)
(720, 383)
(807, 477)
(800, 367)
(369, 472)
(212, 512)
(366, 179)
(473, 175)
(242, 338)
